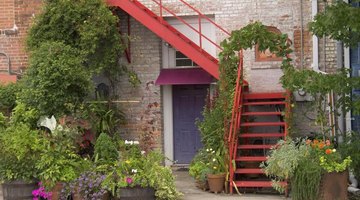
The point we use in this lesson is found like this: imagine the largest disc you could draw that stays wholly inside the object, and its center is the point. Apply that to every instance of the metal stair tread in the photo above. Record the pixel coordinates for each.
(262, 124)
(256, 183)
(261, 113)
(251, 158)
(255, 135)
(272, 95)
(249, 171)
(261, 103)
(255, 146)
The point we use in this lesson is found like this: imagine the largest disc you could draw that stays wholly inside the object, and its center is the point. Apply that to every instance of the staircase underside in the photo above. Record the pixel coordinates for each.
(168, 33)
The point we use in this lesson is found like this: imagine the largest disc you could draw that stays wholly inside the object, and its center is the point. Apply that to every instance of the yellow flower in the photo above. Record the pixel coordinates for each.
(127, 161)
(334, 150)
(214, 167)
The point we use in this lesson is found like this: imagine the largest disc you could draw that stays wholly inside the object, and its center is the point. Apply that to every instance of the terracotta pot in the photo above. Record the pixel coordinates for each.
(203, 185)
(216, 182)
(334, 186)
(56, 191)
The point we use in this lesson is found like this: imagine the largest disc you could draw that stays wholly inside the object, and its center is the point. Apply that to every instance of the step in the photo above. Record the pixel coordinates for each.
(261, 113)
(250, 158)
(256, 183)
(260, 135)
(264, 103)
(249, 171)
(275, 95)
(255, 146)
(247, 124)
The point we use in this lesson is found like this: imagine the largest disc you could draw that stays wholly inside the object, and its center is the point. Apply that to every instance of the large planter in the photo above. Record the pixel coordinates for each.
(15, 190)
(334, 186)
(56, 191)
(137, 193)
(216, 182)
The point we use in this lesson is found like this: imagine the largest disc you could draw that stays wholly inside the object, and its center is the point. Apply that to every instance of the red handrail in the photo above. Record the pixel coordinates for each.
(200, 16)
(235, 119)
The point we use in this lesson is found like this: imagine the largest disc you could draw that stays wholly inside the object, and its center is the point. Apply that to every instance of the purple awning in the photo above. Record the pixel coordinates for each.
(183, 76)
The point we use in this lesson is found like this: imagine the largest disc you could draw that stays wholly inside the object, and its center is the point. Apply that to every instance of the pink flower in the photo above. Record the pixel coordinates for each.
(129, 180)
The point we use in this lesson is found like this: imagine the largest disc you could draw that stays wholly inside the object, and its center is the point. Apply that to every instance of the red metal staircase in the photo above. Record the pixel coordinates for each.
(164, 30)
(257, 118)
(258, 122)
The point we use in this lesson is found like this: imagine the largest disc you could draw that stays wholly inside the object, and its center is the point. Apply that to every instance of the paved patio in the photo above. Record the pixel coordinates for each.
(187, 186)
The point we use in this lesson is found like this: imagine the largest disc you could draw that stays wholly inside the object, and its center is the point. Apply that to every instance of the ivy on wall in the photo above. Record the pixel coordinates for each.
(69, 42)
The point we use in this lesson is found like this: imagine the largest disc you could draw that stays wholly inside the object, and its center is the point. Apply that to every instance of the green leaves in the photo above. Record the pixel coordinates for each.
(56, 80)
(88, 26)
(339, 22)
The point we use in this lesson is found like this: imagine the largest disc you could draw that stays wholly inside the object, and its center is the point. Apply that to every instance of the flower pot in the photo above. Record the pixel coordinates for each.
(56, 191)
(203, 185)
(137, 193)
(334, 186)
(18, 190)
(216, 182)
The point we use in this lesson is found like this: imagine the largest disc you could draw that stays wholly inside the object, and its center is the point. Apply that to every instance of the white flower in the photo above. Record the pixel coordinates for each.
(136, 142)
(210, 149)
(127, 142)
(143, 152)
(334, 150)
(214, 160)
(207, 150)
(213, 152)
(134, 170)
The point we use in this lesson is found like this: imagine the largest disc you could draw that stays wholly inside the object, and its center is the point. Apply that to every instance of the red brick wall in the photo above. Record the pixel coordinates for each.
(12, 43)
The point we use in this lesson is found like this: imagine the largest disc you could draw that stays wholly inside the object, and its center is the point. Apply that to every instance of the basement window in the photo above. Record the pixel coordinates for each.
(183, 61)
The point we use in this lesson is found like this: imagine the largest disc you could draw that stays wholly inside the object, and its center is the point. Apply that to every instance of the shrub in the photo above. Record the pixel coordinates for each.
(105, 149)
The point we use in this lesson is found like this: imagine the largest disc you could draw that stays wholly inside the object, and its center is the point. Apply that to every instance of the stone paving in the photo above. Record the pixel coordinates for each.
(187, 186)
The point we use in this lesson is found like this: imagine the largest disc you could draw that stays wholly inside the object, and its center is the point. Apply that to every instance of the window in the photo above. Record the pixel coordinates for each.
(267, 55)
(183, 61)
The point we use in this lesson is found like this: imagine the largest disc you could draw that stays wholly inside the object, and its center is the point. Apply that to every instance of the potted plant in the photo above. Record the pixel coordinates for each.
(58, 161)
(198, 170)
(140, 175)
(19, 150)
(314, 169)
(216, 166)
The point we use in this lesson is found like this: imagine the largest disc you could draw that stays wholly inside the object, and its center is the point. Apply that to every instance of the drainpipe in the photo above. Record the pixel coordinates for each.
(315, 40)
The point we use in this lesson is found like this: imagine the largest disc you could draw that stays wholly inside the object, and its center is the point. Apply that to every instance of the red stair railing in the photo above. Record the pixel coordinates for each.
(201, 16)
(235, 121)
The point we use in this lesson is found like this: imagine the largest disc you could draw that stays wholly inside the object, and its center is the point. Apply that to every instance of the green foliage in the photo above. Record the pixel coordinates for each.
(23, 114)
(19, 149)
(136, 168)
(3, 121)
(8, 96)
(284, 159)
(306, 181)
(58, 161)
(198, 168)
(55, 82)
(103, 117)
(105, 149)
(351, 147)
(339, 23)
(87, 26)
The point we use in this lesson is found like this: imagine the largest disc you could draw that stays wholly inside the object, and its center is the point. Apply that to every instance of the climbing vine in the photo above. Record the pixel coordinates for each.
(69, 43)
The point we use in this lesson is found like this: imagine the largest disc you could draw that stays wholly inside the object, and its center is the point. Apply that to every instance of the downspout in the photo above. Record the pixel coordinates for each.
(315, 39)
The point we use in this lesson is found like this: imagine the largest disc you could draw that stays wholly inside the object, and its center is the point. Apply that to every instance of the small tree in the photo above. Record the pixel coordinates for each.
(56, 81)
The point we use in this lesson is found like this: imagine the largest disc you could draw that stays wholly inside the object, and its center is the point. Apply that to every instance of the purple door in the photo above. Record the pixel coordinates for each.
(188, 103)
